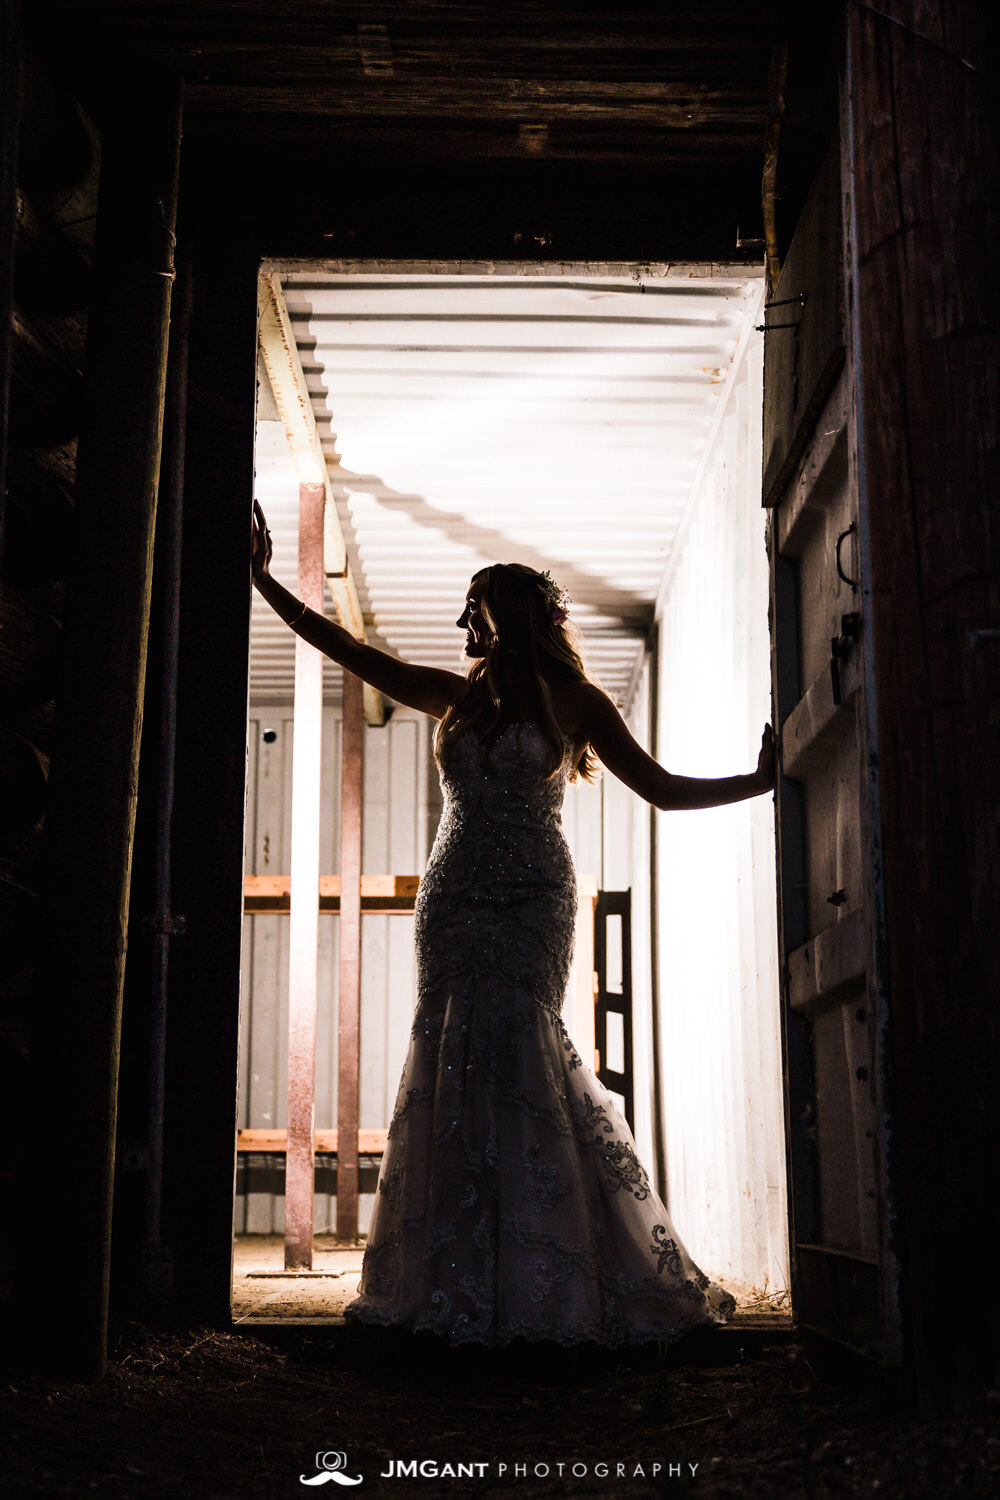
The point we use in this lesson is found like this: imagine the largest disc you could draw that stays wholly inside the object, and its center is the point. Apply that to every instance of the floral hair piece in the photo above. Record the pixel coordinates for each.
(557, 598)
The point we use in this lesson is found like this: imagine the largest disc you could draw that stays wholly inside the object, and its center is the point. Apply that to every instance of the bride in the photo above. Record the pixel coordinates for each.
(511, 1202)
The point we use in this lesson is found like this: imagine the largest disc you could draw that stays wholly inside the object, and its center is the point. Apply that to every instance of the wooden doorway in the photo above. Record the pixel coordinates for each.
(662, 350)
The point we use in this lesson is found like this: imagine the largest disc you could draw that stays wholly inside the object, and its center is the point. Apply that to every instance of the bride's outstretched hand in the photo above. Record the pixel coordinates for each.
(260, 555)
(767, 761)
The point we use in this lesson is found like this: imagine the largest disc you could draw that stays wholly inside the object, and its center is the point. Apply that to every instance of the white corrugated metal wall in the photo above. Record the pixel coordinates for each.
(717, 930)
(714, 914)
(627, 832)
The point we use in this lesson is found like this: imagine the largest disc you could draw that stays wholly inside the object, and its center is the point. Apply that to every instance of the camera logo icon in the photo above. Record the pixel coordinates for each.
(331, 1465)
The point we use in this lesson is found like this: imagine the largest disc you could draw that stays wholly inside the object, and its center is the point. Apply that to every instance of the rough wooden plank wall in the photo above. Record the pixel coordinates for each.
(95, 762)
(925, 141)
(53, 151)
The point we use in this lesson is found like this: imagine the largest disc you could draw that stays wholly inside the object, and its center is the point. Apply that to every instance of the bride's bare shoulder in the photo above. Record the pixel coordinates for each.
(580, 706)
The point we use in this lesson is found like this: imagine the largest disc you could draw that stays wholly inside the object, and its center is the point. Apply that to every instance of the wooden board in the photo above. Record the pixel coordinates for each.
(370, 1142)
(805, 351)
(379, 893)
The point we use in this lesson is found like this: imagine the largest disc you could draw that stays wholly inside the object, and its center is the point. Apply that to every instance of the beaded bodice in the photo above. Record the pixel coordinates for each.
(500, 864)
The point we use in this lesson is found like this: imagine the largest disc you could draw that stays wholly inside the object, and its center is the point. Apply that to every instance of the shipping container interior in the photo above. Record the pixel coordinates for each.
(602, 422)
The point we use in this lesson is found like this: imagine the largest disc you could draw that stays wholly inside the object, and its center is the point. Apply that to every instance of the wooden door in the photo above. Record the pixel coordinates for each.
(834, 1023)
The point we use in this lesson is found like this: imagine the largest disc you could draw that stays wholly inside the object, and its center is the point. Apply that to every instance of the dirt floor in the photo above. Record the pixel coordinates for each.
(196, 1412)
(264, 1292)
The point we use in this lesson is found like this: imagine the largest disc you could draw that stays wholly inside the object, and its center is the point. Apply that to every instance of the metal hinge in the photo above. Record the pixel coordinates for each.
(800, 301)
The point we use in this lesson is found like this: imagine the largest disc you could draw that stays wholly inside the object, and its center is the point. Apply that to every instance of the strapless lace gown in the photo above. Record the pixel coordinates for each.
(511, 1202)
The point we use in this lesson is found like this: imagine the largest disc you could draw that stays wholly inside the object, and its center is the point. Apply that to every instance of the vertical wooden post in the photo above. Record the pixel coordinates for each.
(349, 1032)
(304, 921)
(157, 1258)
(90, 820)
(207, 838)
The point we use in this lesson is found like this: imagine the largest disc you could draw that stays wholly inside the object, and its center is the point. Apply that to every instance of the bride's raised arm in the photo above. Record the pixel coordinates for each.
(428, 689)
(609, 736)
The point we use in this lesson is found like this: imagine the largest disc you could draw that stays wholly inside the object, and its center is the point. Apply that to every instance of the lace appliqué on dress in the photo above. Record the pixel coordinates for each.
(511, 1201)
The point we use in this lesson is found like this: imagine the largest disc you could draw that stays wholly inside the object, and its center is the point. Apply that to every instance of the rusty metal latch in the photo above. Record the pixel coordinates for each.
(840, 650)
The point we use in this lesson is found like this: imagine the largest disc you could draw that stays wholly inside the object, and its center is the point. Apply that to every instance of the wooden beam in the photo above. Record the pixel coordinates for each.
(817, 726)
(349, 1033)
(291, 396)
(776, 84)
(820, 970)
(208, 828)
(370, 1142)
(379, 893)
(303, 989)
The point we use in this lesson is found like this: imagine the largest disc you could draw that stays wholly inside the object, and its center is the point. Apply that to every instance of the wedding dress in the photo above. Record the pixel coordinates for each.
(511, 1202)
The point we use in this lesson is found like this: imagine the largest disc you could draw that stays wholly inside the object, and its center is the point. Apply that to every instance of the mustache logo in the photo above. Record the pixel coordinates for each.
(331, 1465)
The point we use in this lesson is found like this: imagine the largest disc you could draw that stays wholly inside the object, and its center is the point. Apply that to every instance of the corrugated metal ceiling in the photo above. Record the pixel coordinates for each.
(558, 420)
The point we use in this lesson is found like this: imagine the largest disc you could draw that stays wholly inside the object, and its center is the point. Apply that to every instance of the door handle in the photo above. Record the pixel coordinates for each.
(842, 538)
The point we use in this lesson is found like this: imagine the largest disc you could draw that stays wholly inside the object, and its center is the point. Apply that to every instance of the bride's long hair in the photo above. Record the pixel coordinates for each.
(529, 646)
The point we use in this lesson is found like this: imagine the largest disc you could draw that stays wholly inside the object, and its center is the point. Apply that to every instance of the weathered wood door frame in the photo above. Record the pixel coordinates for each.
(891, 1351)
(201, 1164)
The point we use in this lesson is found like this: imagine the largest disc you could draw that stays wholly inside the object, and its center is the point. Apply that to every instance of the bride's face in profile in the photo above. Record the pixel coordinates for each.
(472, 622)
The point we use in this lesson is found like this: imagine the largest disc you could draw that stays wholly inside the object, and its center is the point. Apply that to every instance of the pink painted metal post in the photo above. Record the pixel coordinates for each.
(348, 1036)
(302, 988)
